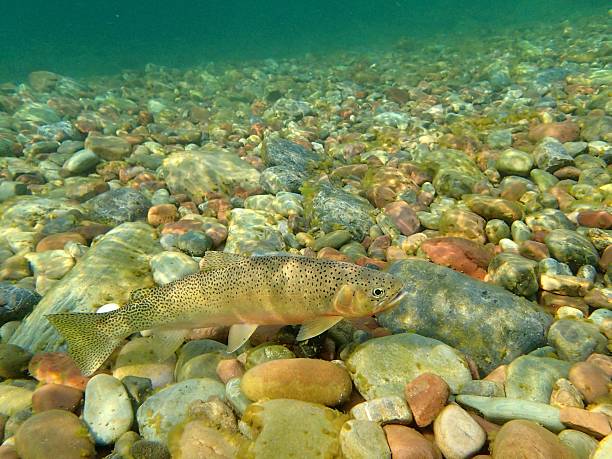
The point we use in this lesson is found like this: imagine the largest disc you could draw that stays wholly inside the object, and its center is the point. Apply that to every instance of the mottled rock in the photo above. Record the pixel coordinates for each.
(168, 407)
(581, 444)
(281, 178)
(16, 302)
(13, 361)
(532, 378)
(508, 325)
(564, 393)
(380, 367)
(167, 267)
(550, 155)
(14, 399)
(59, 240)
(110, 148)
(81, 162)
(57, 368)
(310, 380)
(161, 214)
(566, 131)
(308, 430)
(515, 273)
(463, 255)
(136, 358)
(390, 409)
(489, 207)
(571, 248)
(403, 216)
(522, 438)
(108, 410)
(282, 152)
(426, 395)
(54, 433)
(574, 340)
(198, 439)
(363, 440)
(457, 434)
(118, 206)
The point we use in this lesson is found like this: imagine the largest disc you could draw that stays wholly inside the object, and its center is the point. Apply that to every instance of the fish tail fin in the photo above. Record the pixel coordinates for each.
(91, 337)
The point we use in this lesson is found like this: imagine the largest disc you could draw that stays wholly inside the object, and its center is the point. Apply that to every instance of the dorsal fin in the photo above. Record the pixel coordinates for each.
(216, 260)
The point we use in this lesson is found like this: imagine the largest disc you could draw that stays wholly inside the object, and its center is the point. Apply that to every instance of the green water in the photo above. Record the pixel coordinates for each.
(79, 38)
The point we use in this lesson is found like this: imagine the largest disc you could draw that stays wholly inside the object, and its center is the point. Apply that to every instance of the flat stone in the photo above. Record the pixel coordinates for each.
(457, 434)
(508, 325)
(80, 162)
(391, 409)
(514, 162)
(550, 155)
(484, 388)
(168, 407)
(592, 423)
(110, 148)
(564, 394)
(283, 152)
(310, 380)
(590, 381)
(59, 240)
(108, 410)
(16, 302)
(380, 366)
(601, 361)
(522, 438)
(108, 272)
(52, 264)
(57, 368)
(307, 430)
(463, 255)
(118, 206)
(363, 440)
(56, 396)
(136, 358)
(426, 395)
(490, 208)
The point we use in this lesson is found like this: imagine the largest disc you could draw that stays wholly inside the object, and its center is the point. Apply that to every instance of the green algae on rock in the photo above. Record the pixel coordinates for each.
(485, 321)
(307, 430)
(382, 366)
(108, 272)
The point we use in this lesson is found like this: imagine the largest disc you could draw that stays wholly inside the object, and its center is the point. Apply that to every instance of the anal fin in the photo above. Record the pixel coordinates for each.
(239, 334)
(317, 326)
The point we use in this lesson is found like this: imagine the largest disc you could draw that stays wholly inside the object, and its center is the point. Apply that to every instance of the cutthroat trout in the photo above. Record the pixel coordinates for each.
(238, 291)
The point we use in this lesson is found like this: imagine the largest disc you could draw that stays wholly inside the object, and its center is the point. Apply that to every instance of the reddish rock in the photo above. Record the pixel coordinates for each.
(564, 199)
(460, 254)
(568, 173)
(379, 246)
(58, 241)
(229, 369)
(498, 375)
(592, 423)
(407, 443)
(566, 131)
(490, 428)
(603, 362)
(526, 439)
(181, 227)
(190, 206)
(426, 395)
(162, 214)
(595, 219)
(403, 217)
(329, 253)
(590, 380)
(606, 258)
(534, 250)
(371, 263)
(91, 230)
(56, 396)
(57, 368)
(380, 196)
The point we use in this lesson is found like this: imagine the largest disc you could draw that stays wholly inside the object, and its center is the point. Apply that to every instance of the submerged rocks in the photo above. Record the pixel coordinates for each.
(381, 366)
(488, 323)
(16, 302)
(118, 206)
(521, 438)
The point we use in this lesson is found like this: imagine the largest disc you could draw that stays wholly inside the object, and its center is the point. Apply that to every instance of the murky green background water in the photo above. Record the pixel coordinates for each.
(88, 37)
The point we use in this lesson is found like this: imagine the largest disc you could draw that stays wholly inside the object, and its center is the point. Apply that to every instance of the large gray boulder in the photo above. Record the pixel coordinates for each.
(115, 266)
(486, 322)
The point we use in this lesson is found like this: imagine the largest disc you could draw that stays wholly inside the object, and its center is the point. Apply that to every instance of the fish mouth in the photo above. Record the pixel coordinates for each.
(393, 301)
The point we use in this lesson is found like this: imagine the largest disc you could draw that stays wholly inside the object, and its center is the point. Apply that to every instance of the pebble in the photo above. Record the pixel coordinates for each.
(57, 368)
(334, 239)
(515, 273)
(571, 248)
(380, 366)
(197, 439)
(310, 380)
(235, 397)
(59, 240)
(266, 352)
(307, 429)
(532, 378)
(13, 361)
(604, 450)
(14, 398)
(136, 359)
(364, 440)
(484, 388)
(603, 362)
(168, 407)
(391, 409)
(581, 444)
(53, 433)
(229, 369)
(167, 267)
(426, 395)
(574, 340)
(564, 393)
(408, 443)
(521, 438)
(147, 449)
(403, 217)
(589, 422)
(52, 264)
(162, 214)
(200, 366)
(194, 243)
(590, 381)
(81, 162)
(457, 435)
(109, 148)
(56, 396)
(107, 410)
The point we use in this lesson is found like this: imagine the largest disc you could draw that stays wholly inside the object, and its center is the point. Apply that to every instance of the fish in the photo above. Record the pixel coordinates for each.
(242, 292)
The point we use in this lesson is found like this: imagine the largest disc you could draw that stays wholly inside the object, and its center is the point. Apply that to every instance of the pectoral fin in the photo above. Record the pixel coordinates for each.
(214, 260)
(317, 326)
(165, 342)
(239, 334)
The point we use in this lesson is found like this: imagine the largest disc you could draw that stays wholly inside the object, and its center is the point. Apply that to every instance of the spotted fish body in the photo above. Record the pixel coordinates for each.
(260, 290)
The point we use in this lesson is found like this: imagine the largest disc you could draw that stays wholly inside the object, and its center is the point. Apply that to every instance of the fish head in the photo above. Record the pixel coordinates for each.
(368, 293)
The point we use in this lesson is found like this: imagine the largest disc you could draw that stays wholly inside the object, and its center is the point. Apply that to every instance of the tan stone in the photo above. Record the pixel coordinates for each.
(56, 396)
(407, 443)
(162, 214)
(58, 241)
(229, 369)
(603, 362)
(590, 380)
(565, 394)
(595, 424)
(498, 375)
(457, 435)
(426, 395)
(526, 439)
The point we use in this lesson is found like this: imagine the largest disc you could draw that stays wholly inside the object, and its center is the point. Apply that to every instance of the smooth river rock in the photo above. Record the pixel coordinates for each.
(107, 273)
(486, 322)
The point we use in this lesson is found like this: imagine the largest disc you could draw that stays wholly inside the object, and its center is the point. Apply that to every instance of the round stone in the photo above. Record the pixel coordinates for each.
(170, 266)
(310, 380)
(197, 439)
(266, 352)
(575, 340)
(514, 162)
(571, 248)
(581, 444)
(108, 410)
(407, 443)
(13, 361)
(56, 396)
(57, 368)
(54, 433)
(426, 395)
(136, 359)
(520, 438)
(195, 243)
(457, 434)
(590, 381)
(363, 440)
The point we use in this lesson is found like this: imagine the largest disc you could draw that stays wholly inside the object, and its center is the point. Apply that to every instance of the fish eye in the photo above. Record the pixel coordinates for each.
(377, 292)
